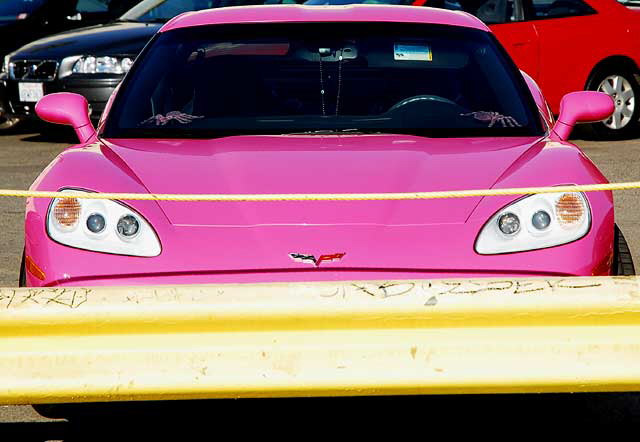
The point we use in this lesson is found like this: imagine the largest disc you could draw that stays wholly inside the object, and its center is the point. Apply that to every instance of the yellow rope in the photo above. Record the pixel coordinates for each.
(322, 196)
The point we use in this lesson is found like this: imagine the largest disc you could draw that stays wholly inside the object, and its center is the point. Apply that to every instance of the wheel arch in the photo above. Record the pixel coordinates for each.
(612, 61)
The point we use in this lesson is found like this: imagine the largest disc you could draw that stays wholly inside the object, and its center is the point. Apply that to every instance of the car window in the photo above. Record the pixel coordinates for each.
(560, 8)
(163, 10)
(85, 6)
(285, 78)
(489, 11)
(11, 10)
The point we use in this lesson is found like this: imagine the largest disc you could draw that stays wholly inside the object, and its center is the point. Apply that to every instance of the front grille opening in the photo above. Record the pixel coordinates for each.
(43, 70)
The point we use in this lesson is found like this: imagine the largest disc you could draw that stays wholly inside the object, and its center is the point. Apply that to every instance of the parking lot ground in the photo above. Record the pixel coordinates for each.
(25, 152)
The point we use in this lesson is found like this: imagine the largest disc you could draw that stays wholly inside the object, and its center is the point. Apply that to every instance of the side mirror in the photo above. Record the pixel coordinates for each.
(68, 109)
(582, 107)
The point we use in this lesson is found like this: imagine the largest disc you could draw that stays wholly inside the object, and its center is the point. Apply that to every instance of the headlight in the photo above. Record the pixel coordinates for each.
(102, 65)
(536, 222)
(101, 226)
(5, 64)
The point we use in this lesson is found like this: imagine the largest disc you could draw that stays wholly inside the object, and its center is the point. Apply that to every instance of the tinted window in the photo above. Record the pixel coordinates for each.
(113, 7)
(286, 78)
(92, 6)
(11, 10)
(560, 8)
(489, 11)
(163, 10)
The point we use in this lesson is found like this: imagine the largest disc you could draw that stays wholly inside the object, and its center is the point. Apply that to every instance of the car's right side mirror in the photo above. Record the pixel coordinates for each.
(68, 109)
(582, 107)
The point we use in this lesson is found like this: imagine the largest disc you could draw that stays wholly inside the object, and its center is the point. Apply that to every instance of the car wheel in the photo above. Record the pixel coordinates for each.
(619, 83)
(22, 279)
(622, 259)
(8, 122)
(51, 411)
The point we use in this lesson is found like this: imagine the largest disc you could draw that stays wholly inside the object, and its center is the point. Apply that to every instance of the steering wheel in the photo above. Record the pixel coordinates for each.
(422, 99)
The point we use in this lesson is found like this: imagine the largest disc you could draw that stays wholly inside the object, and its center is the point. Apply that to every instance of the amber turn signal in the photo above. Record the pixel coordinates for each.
(67, 212)
(570, 209)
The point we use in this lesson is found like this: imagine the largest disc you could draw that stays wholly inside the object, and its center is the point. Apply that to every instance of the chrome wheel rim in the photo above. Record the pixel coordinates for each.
(619, 88)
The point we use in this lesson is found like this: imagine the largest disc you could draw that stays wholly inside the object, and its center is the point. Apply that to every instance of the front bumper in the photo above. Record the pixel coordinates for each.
(206, 255)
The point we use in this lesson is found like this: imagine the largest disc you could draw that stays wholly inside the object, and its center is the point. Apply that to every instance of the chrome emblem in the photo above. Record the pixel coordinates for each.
(311, 259)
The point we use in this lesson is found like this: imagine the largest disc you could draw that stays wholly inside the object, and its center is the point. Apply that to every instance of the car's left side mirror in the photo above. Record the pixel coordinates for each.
(68, 109)
(582, 107)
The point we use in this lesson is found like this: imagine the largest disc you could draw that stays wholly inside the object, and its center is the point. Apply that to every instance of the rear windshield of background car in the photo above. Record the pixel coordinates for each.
(430, 80)
(11, 10)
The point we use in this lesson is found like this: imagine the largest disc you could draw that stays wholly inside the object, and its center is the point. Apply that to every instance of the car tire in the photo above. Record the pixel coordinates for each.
(22, 279)
(615, 80)
(622, 259)
(51, 411)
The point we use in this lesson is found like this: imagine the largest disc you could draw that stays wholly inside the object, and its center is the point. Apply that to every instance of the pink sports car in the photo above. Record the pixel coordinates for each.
(307, 100)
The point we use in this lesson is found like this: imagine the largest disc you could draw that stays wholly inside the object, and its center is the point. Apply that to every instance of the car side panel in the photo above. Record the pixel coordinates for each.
(520, 39)
(571, 47)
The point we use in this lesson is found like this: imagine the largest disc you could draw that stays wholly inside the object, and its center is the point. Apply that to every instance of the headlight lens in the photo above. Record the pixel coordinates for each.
(102, 65)
(541, 220)
(536, 222)
(96, 223)
(509, 224)
(128, 226)
(101, 226)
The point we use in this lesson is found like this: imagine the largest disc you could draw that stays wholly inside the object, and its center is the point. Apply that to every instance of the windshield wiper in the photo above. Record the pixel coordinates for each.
(156, 20)
(153, 20)
(333, 132)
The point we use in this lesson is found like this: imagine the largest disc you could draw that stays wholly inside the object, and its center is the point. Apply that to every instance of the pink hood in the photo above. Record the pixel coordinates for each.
(319, 164)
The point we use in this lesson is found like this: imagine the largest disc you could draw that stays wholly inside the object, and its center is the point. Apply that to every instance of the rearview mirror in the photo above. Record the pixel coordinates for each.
(582, 107)
(68, 109)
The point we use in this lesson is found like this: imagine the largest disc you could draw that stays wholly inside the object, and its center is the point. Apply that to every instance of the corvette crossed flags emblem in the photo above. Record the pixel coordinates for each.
(311, 259)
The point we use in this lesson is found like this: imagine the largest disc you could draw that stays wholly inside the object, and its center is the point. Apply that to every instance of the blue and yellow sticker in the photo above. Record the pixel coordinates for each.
(408, 52)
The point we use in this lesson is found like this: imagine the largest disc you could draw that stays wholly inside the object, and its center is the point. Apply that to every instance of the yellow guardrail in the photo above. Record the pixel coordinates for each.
(322, 196)
(321, 338)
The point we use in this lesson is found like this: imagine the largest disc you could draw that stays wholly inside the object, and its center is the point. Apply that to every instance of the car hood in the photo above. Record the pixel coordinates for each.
(317, 164)
(116, 38)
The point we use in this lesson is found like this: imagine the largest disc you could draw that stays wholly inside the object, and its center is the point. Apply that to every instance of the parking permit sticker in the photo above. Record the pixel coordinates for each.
(412, 52)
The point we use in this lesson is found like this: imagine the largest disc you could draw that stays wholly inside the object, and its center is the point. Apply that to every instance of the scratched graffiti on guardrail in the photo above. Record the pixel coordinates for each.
(426, 292)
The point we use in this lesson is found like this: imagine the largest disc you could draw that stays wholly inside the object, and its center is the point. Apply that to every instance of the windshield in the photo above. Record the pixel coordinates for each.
(290, 78)
(11, 10)
(164, 10)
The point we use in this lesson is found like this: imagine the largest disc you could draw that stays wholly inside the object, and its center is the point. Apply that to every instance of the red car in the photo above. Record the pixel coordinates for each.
(565, 45)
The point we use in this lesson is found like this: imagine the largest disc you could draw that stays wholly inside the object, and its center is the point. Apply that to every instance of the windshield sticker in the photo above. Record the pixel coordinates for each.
(178, 116)
(493, 118)
(412, 53)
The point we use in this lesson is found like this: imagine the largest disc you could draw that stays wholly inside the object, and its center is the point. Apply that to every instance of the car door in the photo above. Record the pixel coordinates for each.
(506, 18)
(571, 36)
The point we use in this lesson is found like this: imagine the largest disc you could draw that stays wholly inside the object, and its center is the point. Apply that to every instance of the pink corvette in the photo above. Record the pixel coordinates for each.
(293, 99)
